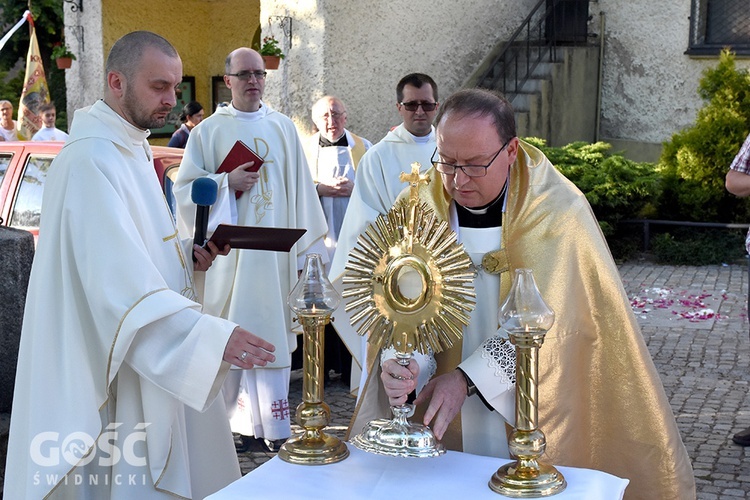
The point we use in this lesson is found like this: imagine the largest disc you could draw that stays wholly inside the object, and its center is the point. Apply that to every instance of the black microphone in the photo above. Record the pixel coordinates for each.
(203, 194)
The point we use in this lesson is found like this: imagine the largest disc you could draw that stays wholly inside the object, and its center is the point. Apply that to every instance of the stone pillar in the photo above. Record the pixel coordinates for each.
(17, 251)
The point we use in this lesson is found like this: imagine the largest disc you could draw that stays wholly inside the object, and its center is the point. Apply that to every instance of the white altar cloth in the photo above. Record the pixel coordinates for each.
(369, 476)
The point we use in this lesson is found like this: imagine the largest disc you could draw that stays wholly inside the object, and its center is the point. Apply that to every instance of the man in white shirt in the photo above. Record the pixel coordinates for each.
(49, 132)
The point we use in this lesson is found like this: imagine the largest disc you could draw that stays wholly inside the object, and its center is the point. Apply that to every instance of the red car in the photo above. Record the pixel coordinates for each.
(23, 172)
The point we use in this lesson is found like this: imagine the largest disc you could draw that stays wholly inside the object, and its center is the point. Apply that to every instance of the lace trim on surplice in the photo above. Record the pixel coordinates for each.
(500, 354)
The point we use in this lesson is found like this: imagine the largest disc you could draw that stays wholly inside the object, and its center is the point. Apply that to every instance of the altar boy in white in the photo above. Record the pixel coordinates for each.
(118, 369)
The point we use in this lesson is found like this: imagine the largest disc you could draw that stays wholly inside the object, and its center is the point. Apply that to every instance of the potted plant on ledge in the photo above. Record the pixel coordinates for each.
(63, 56)
(271, 52)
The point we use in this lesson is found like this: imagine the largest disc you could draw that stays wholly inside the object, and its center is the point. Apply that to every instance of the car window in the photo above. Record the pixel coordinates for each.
(169, 177)
(27, 206)
(4, 162)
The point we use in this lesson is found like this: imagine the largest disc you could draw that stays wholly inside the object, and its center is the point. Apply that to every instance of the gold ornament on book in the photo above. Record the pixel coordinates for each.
(409, 283)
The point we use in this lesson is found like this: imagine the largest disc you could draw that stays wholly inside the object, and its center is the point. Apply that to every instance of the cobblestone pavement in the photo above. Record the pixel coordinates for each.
(694, 320)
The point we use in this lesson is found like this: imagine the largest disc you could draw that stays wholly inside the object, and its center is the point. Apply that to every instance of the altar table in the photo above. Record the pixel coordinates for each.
(363, 475)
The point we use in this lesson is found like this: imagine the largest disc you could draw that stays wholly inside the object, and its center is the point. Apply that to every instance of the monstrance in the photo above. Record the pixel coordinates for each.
(409, 283)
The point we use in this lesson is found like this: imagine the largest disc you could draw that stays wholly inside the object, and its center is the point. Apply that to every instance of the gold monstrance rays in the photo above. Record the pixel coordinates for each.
(434, 318)
(408, 279)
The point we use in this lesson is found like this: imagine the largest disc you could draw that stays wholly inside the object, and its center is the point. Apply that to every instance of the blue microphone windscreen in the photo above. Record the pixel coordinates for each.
(204, 191)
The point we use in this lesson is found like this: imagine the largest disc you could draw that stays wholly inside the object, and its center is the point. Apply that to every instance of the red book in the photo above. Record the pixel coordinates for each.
(238, 155)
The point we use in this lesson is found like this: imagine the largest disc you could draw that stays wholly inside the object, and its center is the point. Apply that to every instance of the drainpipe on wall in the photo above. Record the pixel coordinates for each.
(602, 25)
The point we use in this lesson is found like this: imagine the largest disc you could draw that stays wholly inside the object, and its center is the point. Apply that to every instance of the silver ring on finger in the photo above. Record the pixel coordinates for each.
(244, 355)
(397, 377)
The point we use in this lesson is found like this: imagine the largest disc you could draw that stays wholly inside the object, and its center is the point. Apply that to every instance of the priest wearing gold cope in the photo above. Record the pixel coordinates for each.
(601, 403)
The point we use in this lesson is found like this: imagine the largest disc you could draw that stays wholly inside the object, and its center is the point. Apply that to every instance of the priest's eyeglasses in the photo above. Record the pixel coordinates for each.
(413, 105)
(469, 170)
(333, 115)
(246, 75)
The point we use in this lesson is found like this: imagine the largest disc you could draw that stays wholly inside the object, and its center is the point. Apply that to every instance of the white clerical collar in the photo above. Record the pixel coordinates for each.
(421, 139)
(483, 210)
(137, 135)
(250, 115)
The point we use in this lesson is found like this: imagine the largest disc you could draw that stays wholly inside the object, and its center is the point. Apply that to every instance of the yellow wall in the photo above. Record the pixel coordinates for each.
(202, 31)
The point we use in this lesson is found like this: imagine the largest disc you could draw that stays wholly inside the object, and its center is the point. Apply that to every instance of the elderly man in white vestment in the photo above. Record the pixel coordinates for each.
(251, 286)
(333, 154)
(118, 369)
(378, 183)
(601, 401)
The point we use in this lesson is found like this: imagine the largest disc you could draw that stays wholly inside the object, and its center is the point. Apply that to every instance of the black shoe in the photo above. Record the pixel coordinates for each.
(271, 446)
(742, 438)
(244, 444)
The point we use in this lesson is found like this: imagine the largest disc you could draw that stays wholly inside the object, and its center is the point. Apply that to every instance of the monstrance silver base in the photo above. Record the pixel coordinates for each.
(398, 437)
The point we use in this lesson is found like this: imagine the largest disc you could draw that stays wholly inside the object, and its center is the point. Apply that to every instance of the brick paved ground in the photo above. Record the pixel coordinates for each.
(702, 359)
(694, 320)
(703, 363)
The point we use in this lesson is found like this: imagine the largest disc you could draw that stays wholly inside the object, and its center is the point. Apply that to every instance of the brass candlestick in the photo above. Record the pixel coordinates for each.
(313, 299)
(526, 318)
(410, 285)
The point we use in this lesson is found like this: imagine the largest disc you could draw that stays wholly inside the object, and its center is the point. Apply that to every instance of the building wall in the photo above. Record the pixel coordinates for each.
(649, 88)
(202, 31)
(360, 50)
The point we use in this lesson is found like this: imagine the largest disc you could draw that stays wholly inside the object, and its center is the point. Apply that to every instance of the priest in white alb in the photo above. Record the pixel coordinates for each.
(119, 371)
(251, 286)
(378, 184)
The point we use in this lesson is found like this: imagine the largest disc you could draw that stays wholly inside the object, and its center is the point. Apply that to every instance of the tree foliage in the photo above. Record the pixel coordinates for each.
(48, 20)
(695, 161)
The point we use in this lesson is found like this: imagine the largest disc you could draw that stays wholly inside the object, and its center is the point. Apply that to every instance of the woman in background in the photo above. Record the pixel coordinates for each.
(191, 115)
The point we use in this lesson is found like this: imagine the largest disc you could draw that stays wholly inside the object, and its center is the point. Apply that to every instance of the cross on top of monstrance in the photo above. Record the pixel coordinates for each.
(414, 179)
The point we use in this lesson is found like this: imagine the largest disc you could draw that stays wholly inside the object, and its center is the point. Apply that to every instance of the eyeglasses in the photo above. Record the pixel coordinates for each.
(333, 115)
(246, 75)
(413, 105)
(469, 170)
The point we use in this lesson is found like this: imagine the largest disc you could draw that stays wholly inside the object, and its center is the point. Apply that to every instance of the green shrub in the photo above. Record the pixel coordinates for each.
(617, 188)
(695, 161)
(686, 185)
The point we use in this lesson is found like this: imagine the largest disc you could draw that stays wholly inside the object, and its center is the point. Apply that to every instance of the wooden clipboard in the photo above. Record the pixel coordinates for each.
(274, 239)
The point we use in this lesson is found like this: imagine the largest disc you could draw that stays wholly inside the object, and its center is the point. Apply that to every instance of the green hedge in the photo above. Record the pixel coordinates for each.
(686, 185)
(695, 161)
